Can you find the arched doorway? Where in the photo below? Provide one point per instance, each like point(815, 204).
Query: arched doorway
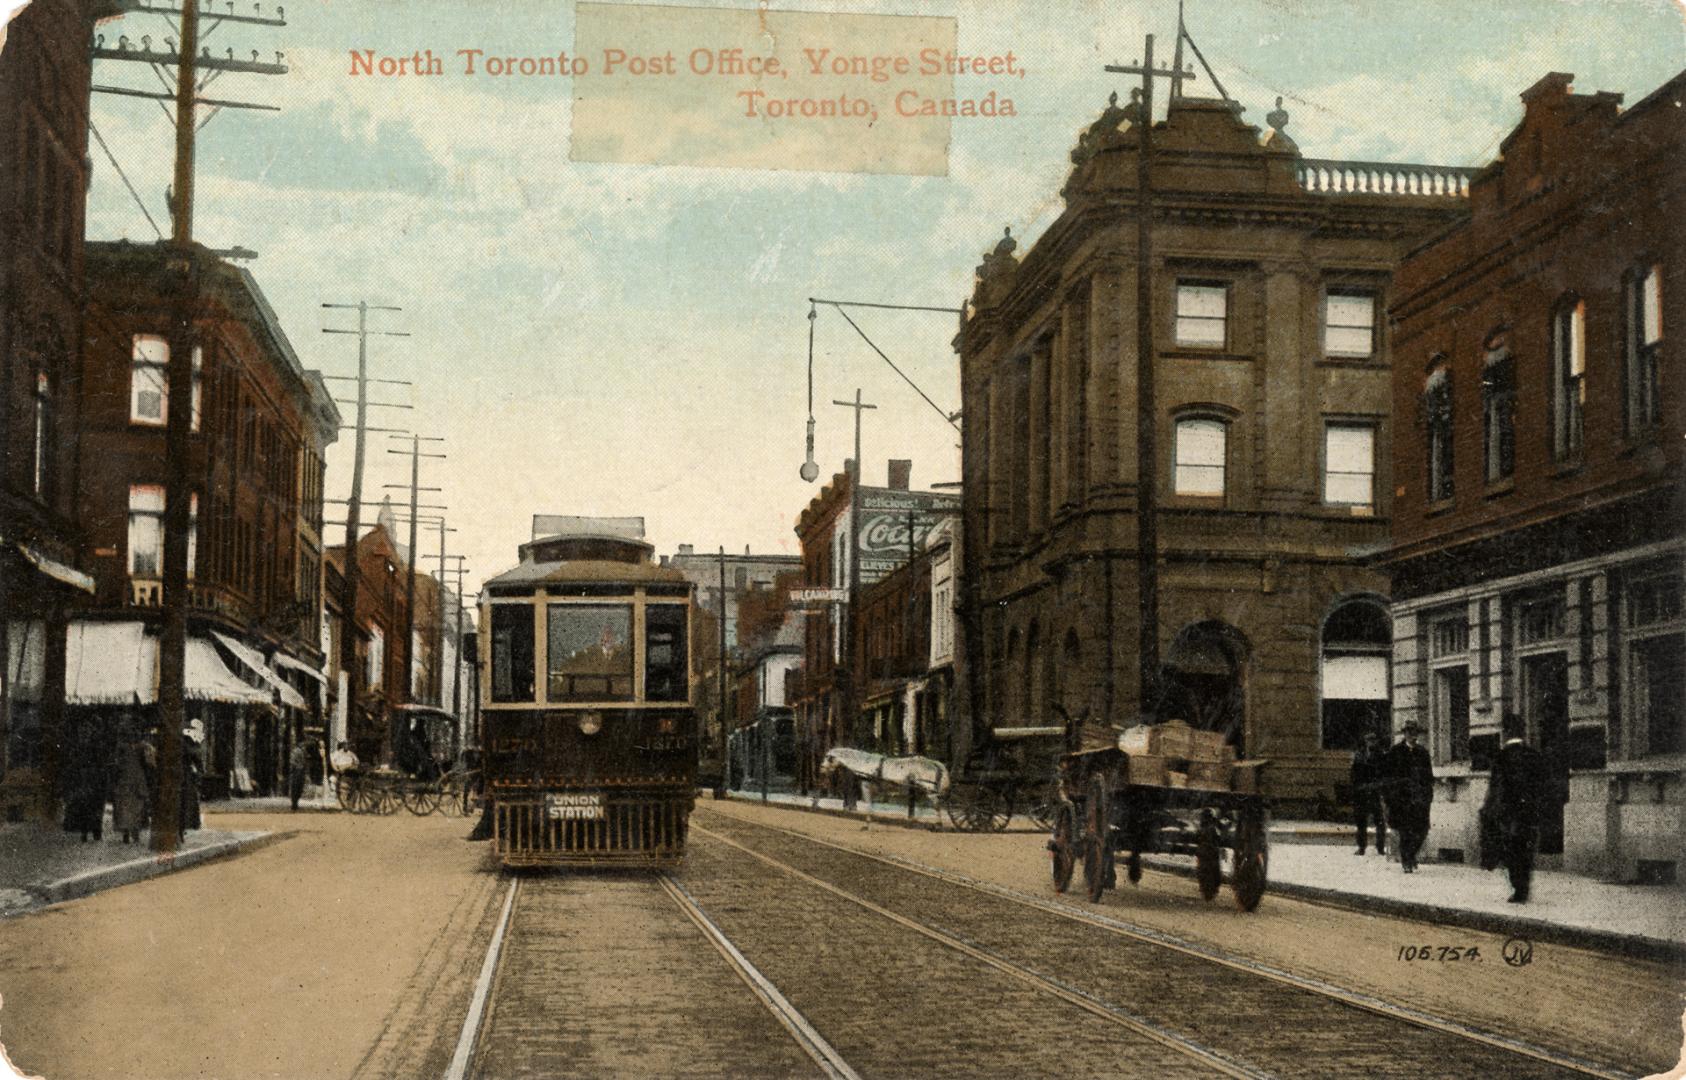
point(1035, 685)
point(1071, 667)
point(1205, 683)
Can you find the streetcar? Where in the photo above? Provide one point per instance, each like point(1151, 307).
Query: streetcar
point(588, 723)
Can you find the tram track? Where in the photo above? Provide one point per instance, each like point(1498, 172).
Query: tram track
point(1486, 1052)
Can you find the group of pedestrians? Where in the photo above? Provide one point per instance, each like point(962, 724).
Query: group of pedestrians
point(1394, 786)
point(127, 780)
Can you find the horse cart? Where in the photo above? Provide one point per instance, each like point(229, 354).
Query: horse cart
point(1165, 789)
point(1013, 770)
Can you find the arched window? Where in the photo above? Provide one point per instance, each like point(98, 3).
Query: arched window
point(1032, 675)
point(1357, 643)
point(1642, 318)
point(1199, 456)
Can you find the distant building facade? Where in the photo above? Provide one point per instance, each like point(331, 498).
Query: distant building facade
point(1540, 526)
point(895, 521)
point(742, 572)
point(1271, 277)
point(378, 624)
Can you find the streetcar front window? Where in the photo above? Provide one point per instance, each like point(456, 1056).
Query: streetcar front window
point(664, 653)
point(512, 652)
point(590, 652)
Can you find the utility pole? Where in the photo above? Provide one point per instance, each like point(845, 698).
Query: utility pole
point(348, 591)
point(852, 651)
point(410, 580)
point(438, 689)
point(725, 766)
point(182, 270)
point(1147, 443)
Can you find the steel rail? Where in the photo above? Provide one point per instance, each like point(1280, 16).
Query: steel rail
point(1189, 1048)
point(471, 1024)
point(811, 1041)
point(1354, 998)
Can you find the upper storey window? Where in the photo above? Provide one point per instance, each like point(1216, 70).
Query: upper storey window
point(149, 381)
point(1643, 304)
point(1200, 452)
point(1437, 423)
point(1202, 314)
point(1568, 382)
point(1349, 324)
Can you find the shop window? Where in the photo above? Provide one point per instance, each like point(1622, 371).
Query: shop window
point(1349, 323)
point(1643, 308)
point(1568, 371)
point(1200, 451)
point(1202, 314)
point(1655, 629)
point(1349, 465)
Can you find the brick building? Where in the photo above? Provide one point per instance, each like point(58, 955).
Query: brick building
point(379, 625)
point(1538, 530)
point(261, 423)
point(1270, 276)
point(895, 521)
point(44, 78)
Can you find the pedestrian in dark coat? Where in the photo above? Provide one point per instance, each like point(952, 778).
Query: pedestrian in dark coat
point(1368, 766)
point(132, 791)
point(87, 792)
point(1409, 793)
point(193, 739)
point(1511, 814)
point(298, 768)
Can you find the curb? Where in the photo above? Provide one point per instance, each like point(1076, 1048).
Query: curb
point(1633, 946)
point(89, 882)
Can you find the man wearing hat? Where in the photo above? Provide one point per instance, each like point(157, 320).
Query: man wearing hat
point(1410, 790)
point(1511, 815)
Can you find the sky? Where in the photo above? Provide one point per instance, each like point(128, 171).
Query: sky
point(632, 339)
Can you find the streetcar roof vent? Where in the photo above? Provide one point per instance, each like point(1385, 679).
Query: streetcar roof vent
point(624, 528)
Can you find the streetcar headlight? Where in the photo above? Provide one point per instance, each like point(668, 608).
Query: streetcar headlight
point(591, 723)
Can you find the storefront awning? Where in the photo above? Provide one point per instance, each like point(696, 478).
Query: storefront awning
point(116, 663)
point(300, 666)
point(59, 572)
point(253, 661)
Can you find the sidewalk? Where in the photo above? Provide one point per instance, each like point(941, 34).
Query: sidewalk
point(43, 864)
point(1315, 861)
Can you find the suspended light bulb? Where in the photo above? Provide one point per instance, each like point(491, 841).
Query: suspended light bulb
point(810, 470)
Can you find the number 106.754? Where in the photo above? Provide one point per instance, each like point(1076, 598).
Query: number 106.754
point(1445, 953)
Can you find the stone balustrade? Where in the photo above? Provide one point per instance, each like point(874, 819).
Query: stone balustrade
point(1328, 177)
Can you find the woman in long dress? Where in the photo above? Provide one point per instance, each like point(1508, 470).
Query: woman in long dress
point(130, 796)
point(84, 804)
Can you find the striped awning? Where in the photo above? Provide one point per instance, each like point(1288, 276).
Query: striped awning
point(116, 663)
point(253, 661)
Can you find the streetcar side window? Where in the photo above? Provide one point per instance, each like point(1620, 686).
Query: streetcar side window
point(664, 653)
point(590, 652)
point(512, 652)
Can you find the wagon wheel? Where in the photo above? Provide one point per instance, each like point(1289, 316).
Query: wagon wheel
point(1097, 849)
point(385, 800)
point(349, 790)
point(420, 799)
point(1252, 856)
point(1208, 872)
point(1043, 805)
point(451, 802)
point(1063, 846)
point(979, 809)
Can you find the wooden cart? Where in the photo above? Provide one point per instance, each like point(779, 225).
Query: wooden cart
point(1014, 770)
point(1104, 811)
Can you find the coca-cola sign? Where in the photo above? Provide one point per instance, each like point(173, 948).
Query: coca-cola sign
point(895, 524)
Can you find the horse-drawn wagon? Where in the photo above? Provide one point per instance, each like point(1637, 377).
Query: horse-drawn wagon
point(1164, 789)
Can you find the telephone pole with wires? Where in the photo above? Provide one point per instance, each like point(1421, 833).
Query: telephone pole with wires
point(416, 455)
point(349, 671)
point(182, 267)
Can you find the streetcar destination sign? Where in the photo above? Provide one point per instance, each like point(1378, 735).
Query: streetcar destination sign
point(575, 806)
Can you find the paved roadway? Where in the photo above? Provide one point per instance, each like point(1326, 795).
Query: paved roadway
point(787, 944)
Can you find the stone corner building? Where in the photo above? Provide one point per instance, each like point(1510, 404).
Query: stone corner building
point(1271, 275)
point(1540, 525)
